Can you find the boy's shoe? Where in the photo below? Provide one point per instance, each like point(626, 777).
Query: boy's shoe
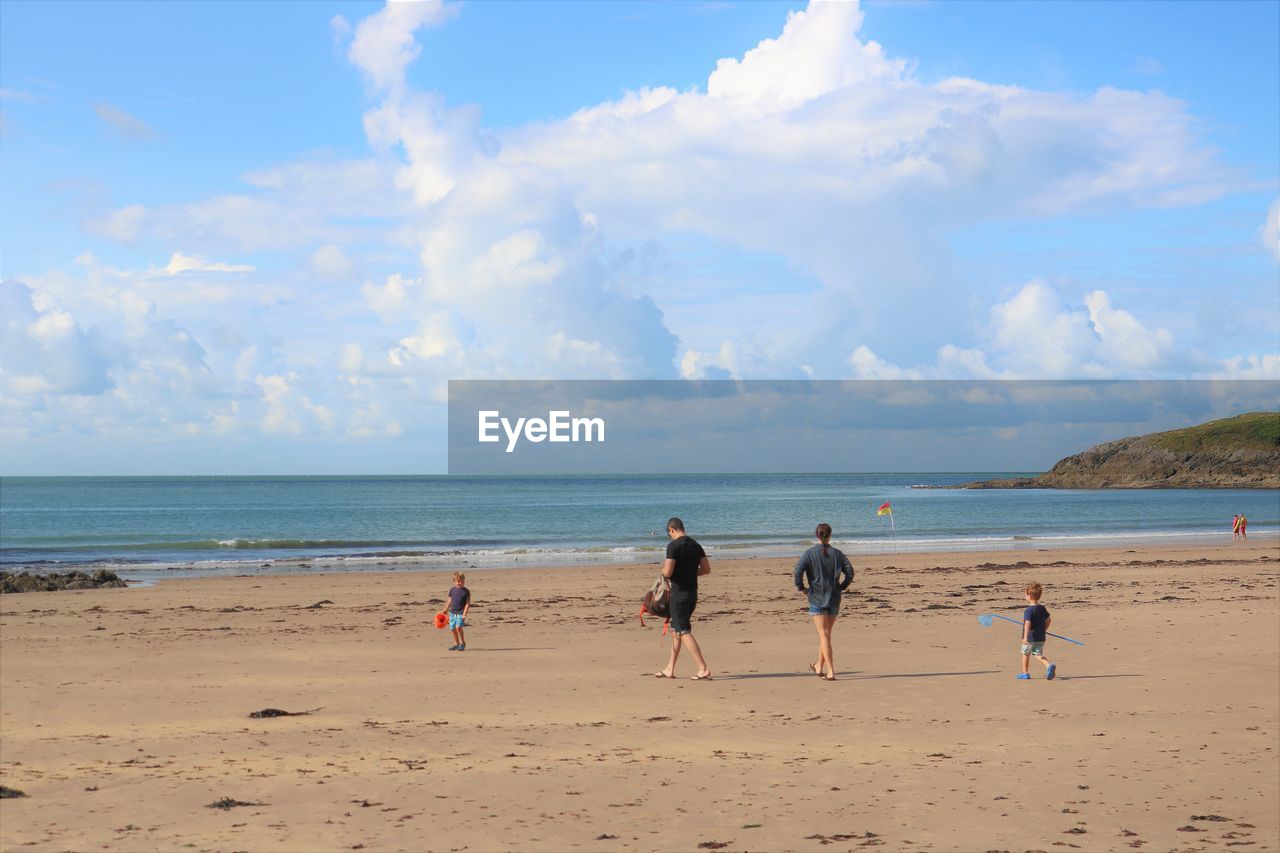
point(454, 647)
point(1024, 677)
point(1053, 670)
point(462, 648)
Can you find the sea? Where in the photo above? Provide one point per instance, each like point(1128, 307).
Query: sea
point(147, 528)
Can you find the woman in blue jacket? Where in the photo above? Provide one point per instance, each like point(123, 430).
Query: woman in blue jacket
point(829, 573)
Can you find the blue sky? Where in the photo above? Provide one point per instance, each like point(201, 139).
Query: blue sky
point(239, 237)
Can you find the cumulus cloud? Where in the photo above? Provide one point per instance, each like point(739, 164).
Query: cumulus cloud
point(287, 408)
point(856, 171)
point(512, 274)
point(113, 367)
point(1035, 329)
point(1124, 342)
point(818, 52)
point(452, 250)
point(722, 364)
point(1265, 366)
point(384, 45)
point(1036, 334)
point(815, 146)
point(43, 350)
point(865, 364)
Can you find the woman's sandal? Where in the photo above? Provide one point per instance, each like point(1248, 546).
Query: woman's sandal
point(662, 675)
point(706, 677)
point(813, 667)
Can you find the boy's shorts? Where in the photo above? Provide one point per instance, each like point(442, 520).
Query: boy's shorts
point(455, 621)
point(1035, 649)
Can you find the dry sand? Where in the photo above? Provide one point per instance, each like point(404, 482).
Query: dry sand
point(124, 713)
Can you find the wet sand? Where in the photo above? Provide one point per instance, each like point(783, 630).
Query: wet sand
point(124, 713)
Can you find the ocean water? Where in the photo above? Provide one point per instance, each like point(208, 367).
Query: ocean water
point(165, 526)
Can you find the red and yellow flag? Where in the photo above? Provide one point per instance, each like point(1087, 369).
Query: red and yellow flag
point(885, 509)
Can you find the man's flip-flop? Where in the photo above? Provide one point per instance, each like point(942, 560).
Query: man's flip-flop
point(706, 677)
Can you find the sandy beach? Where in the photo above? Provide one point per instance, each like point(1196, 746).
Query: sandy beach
point(124, 713)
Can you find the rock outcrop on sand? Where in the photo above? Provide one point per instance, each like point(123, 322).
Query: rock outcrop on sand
point(31, 582)
point(1234, 453)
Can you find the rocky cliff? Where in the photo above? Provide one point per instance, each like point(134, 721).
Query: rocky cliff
point(1234, 453)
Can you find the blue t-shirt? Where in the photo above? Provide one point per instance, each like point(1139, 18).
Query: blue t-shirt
point(1038, 616)
point(459, 596)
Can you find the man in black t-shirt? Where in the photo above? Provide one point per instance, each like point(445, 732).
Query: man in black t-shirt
point(685, 563)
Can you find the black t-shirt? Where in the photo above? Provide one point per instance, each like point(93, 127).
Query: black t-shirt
point(687, 553)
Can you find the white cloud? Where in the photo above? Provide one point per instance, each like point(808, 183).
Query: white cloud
point(280, 415)
point(390, 299)
point(330, 261)
point(180, 263)
point(854, 170)
point(818, 52)
point(815, 146)
point(339, 29)
point(43, 349)
point(384, 44)
point(1036, 335)
point(1036, 330)
point(865, 364)
point(122, 225)
point(722, 364)
point(294, 206)
point(123, 124)
point(1124, 342)
point(335, 187)
point(1270, 231)
point(451, 251)
point(512, 280)
point(245, 361)
point(1265, 366)
point(433, 338)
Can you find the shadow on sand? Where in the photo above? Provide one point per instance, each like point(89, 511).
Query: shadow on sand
point(851, 676)
point(471, 651)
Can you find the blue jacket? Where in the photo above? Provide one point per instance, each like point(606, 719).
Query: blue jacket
point(827, 576)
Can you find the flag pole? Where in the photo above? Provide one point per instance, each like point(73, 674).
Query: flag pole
point(887, 509)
